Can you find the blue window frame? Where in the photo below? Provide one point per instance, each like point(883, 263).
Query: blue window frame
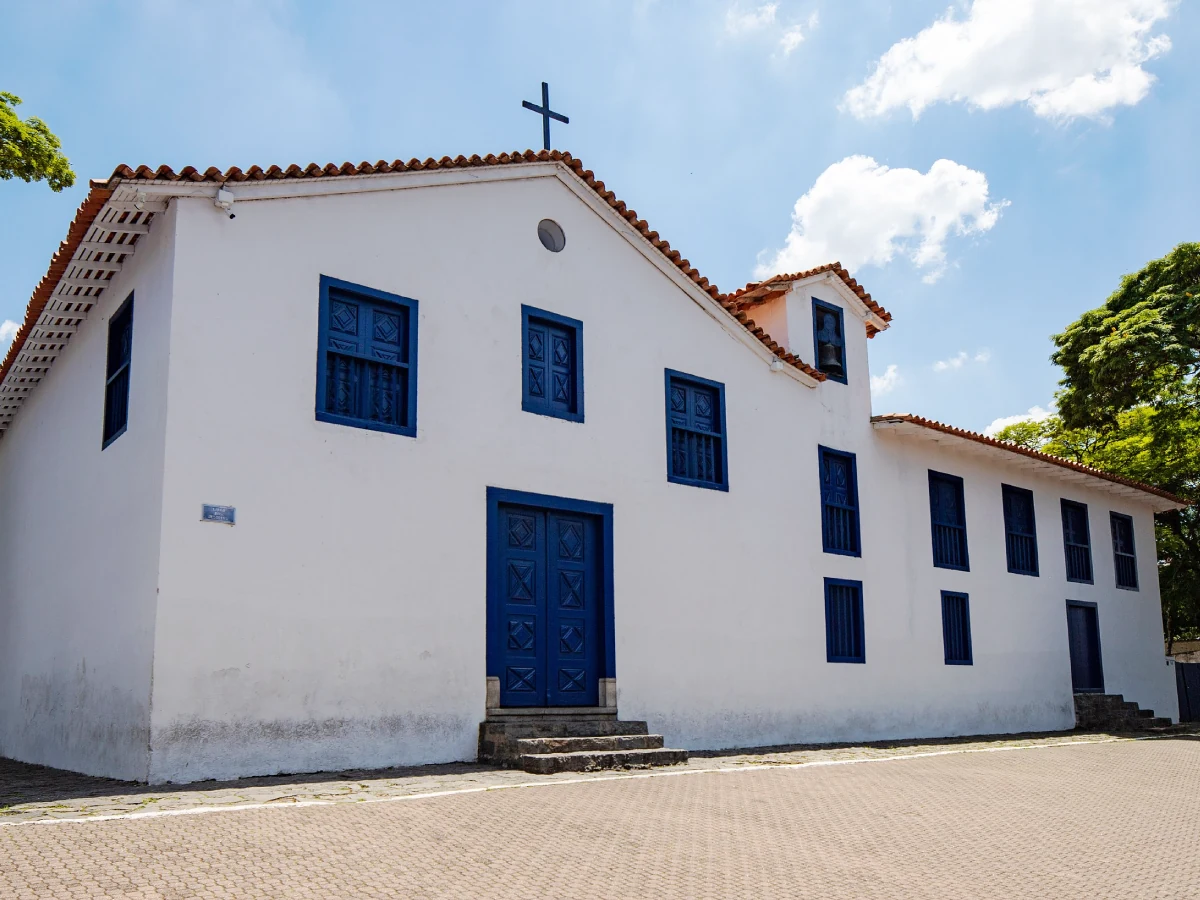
point(839, 502)
point(116, 373)
point(829, 340)
point(844, 621)
point(948, 521)
point(1077, 541)
point(1020, 530)
point(1124, 556)
point(956, 628)
point(367, 358)
point(697, 452)
point(551, 364)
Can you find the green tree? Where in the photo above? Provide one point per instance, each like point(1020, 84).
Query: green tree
point(1129, 404)
point(29, 150)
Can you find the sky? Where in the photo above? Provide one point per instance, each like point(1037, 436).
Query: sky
point(988, 169)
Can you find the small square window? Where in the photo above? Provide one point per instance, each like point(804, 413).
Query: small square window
point(956, 628)
point(367, 358)
point(844, 621)
point(551, 364)
point(839, 503)
point(696, 446)
point(116, 381)
point(829, 339)
point(1077, 541)
point(1124, 557)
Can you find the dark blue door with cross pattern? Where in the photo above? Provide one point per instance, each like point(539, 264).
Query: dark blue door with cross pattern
point(550, 615)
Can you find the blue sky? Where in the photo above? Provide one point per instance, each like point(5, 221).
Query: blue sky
point(1068, 131)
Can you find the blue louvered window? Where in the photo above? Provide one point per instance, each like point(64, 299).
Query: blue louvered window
point(844, 621)
point(839, 502)
point(116, 380)
point(1020, 530)
point(551, 364)
point(948, 518)
point(1124, 557)
point(367, 361)
point(696, 443)
point(956, 628)
point(1077, 541)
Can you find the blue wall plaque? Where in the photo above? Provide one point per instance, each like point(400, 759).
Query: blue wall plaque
point(222, 515)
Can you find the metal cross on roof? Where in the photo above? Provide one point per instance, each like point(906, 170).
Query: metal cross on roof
point(545, 112)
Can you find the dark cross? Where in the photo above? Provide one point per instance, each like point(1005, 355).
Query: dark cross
point(545, 112)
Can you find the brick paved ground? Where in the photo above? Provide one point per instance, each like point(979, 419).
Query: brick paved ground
point(1085, 819)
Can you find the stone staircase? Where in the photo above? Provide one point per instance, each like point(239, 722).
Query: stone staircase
point(546, 742)
point(1112, 712)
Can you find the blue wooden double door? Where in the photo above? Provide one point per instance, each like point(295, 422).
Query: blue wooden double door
point(1083, 636)
point(545, 606)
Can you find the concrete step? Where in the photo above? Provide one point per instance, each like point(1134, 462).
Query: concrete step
point(591, 744)
point(591, 760)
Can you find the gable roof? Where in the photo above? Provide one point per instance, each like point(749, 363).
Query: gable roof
point(760, 291)
point(910, 424)
point(108, 225)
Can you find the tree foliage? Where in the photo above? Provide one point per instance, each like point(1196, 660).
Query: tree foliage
point(1130, 404)
point(29, 150)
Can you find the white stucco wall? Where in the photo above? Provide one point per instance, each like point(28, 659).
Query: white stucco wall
point(79, 542)
point(341, 622)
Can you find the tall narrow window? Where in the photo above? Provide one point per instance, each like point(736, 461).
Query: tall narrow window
point(1020, 531)
point(1077, 541)
point(839, 502)
point(552, 365)
point(116, 382)
point(829, 337)
point(948, 517)
point(1123, 554)
point(956, 628)
point(367, 358)
point(696, 450)
point(844, 621)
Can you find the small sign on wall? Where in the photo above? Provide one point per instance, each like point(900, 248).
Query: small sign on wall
point(222, 515)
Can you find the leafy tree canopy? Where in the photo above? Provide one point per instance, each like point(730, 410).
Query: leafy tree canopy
point(29, 150)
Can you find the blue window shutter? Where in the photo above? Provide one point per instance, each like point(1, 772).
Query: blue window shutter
point(552, 364)
point(839, 502)
point(1124, 556)
point(956, 628)
point(1077, 544)
point(367, 365)
point(1020, 530)
point(844, 640)
point(696, 448)
point(948, 520)
point(116, 382)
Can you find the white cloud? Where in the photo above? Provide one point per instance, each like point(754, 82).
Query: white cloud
point(739, 21)
point(960, 359)
point(1035, 414)
point(885, 383)
point(8, 331)
point(792, 38)
point(863, 213)
point(1064, 58)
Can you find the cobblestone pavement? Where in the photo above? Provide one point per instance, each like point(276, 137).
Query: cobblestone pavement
point(1067, 816)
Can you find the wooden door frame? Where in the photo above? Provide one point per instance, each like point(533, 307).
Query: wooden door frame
point(1087, 604)
point(497, 497)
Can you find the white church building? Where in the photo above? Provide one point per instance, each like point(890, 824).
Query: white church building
point(320, 468)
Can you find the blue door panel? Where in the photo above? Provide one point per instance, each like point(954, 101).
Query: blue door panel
point(551, 607)
point(1083, 634)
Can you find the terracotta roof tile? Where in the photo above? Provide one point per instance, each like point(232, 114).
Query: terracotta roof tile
point(1025, 451)
point(752, 294)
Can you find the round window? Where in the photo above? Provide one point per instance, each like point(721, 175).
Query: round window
point(551, 235)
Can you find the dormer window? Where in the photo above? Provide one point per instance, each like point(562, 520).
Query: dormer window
point(830, 339)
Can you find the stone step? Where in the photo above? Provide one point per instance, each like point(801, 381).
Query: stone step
point(591, 760)
point(591, 744)
point(500, 734)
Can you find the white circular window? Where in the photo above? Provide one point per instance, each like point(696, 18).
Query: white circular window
point(551, 235)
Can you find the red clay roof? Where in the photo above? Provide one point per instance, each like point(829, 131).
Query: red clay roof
point(753, 294)
point(274, 173)
point(1025, 451)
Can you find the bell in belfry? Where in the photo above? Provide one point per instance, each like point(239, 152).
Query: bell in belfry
point(830, 361)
